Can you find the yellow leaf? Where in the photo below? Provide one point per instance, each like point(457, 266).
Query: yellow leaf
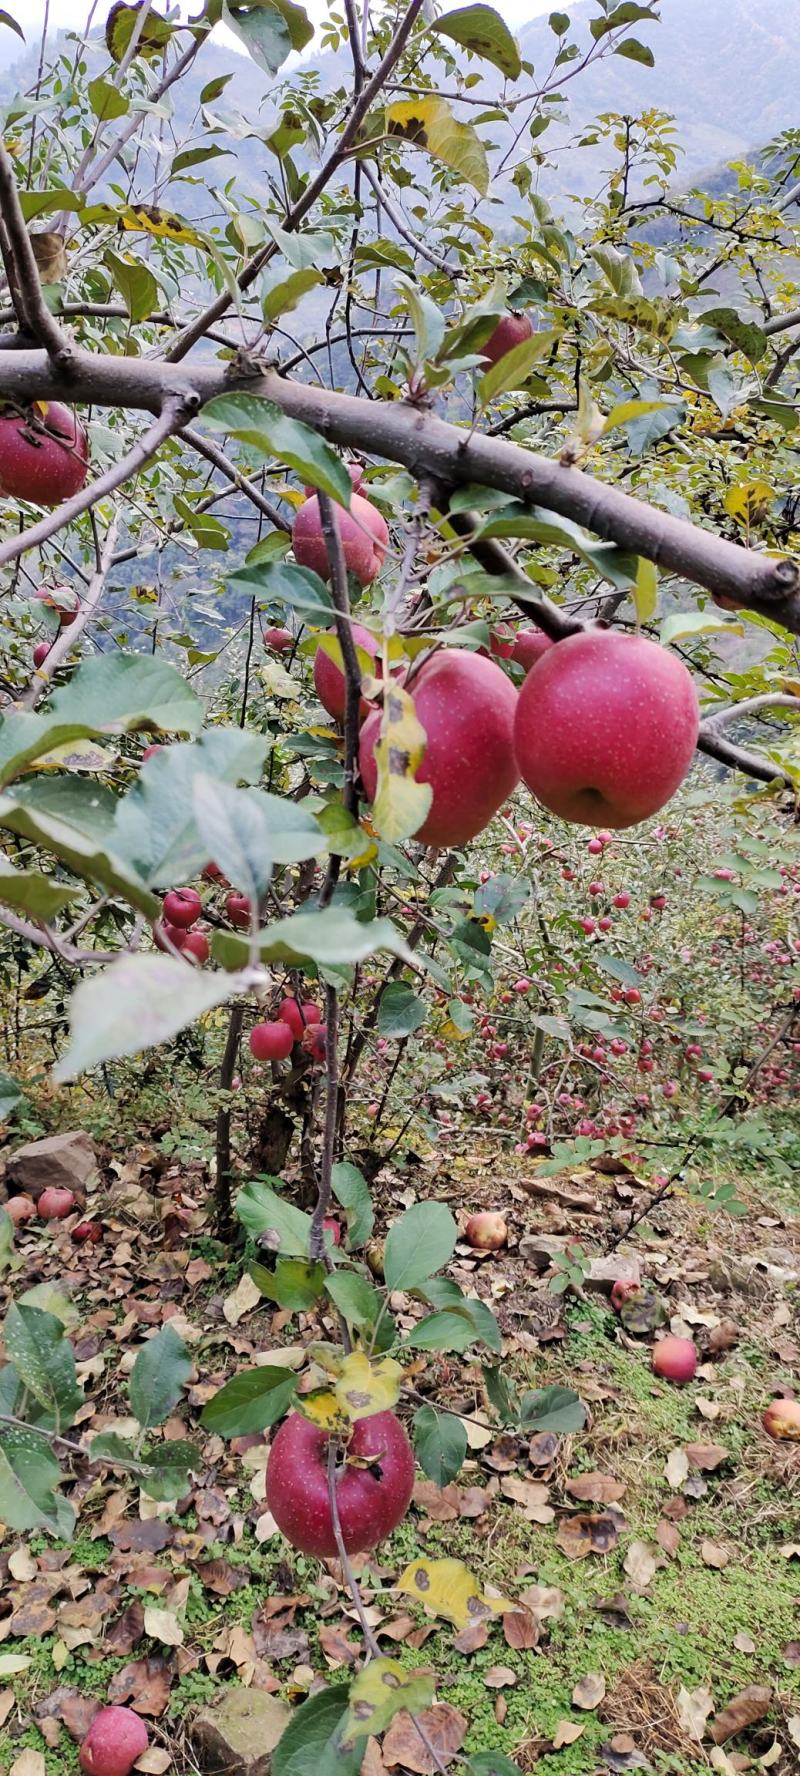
point(361, 1387)
point(645, 591)
point(429, 123)
point(401, 804)
point(325, 1411)
point(451, 1033)
point(146, 219)
point(748, 502)
point(448, 1589)
point(378, 1693)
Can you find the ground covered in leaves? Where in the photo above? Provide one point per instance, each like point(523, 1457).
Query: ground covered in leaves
point(653, 1559)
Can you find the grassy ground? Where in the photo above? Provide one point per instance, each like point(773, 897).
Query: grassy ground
point(694, 1625)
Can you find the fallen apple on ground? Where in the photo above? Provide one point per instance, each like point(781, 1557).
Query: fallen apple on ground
point(486, 1231)
point(55, 1203)
point(675, 1358)
point(782, 1420)
point(116, 1738)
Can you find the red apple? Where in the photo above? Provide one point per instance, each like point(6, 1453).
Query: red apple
point(150, 752)
point(329, 680)
point(315, 1040)
point(501, 642)
point(281, 641)
point(512, 330)
point(20, 1209)
point(486, 1231)
point(298, 1016)
point(364, 534)
point(529, 646)
point(116, 1738)
point(372, 1498)
point(334, 1228)
point(622, 900)
point(182, 907)
point(466, 706)
point(237, 907)
point(88, 1233)
point(271, 1042)
point(606, 728)
point(166, 935)
point(622, 1291)
point(196, 946)
point(675, 1358)
point(44, 454)
point(782, 1420)
point(40, 653)
point(55, 1203)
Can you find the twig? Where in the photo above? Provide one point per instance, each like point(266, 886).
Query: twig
point(352, 676)
point(71, 633)
point(213, 454)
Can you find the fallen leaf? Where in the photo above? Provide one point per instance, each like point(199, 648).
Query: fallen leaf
point(693, 1708)
point(720, 1761)
point(743, 1643)
point(448, 1588)
point(706, 1456)
point(588, 1533)
point(472, 1638)
point(641, 1562)
point(473, 1501)
point(162, 1625)
point(498, 1677)
point(531, 1496)
point(546, 1601)
point(440, 1503)
point(615, 1610)
point(29, 1763)
point(595, 1489)
point(22, 1566)
point(676, 1468)
point(589, 1691)
point(712, 1554)
point(791, 1653)
point(668, 1537)
point(245, 1297)
point(566, 1733)
point(7, 1700)
point(742, 1711)
point(793, 1728)
point(155, 1761)
point(147, 1681)
point(707, 1408)
point(542, 1449)
point(521, 1629)
point(442, 1724)
point(770, 1757)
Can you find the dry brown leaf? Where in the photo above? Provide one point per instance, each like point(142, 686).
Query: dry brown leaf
point(595, 1489)
point(531, 1495)
point(442, 1724)
point(707, 1408)
point(566, 1733)
point(743, 1643)
point(546, 1601)
point(588, 1533)
point(712, 1554)
point(706, 1456)
point(472, 1638)
point(742, 1711)
point(29, 1763)
point(499, 1677)
point(668, 1537)
point(473, 1501)
point(589, 1691)
point(676, 1468)
point(162, 1625)
point(793, 1728)
point(770, 1757)
point(641, 1562)
point(521, 1629)
point(720, 1761)
point(155, 1761)
point(7, 1700)
point(22, 1566)
point(440, 1503)
point(693, 1708)
point(245, 1297)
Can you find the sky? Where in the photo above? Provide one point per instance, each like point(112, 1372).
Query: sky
point(73, 13)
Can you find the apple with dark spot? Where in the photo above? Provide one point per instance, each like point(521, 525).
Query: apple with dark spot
point(373, 1486)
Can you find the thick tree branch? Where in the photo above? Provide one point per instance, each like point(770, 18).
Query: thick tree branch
point(753, 706)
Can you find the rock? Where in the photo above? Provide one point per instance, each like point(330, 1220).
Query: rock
point(237, 1736)
point(539, 1249)
point(66, 1161)
point(605, 1272)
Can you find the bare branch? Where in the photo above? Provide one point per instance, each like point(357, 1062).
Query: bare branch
point(68, 636)
point(213, 454)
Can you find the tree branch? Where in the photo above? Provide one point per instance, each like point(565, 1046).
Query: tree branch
point(35, 317)
point(213, 454)
point(68, 635)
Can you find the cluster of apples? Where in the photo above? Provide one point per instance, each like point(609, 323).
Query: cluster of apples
point(176, 929)
point(55, 1203)
point(295, 1021)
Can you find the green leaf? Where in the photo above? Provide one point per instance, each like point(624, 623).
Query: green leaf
point(33, 893)
point(256, 421)
point(636, 52)
point(67, 816)
point(261, 1211)
point(112, 694)
point(559, 23)
point(10, 1095)
point(283, 293)
point(106, 100)
point(513, 369)
point(159, 1374)
point(295, 1283)
point(491, 1763)
point(311, 1744)
point(249, 1403)
point(135, 1004)
point(29, 1474)
point(234, 826)
point(163, 1471)
point(418, 1244)
point(192, 157)
point(542, 526)
point(269, 29)
point(552, 1409)
point(44, 1361)
point(452, 1329)
point(122, 21)
point(283, 582)
point(12, 25)
point(482, 30)
point(625, 411)
point(440, 1443)
point(136, 285)
point(333, 937)
point(498, 1390)
point(745, 335)
point(400, 1012)
point(351, 1189)
point(358, 1303)
point(42, 203)
point(685, 625)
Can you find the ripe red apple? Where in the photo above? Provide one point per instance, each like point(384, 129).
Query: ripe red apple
point(329, 680)
point(466, 706)
point(675, 1358)
point(486, 1231)
point(501, 642)
point(606, 728)
point(87, 1232)
point(150, 752)
point(529, 646)
point(315, 1040)
point(44, 454)
point(512, 330)
point(20, 1209)
point(55, 1203)
point(334, 1228)
point(182, 907)
point(621, 1292)
point(196, 946)
point(372, 1499)
point(364, 534)
point(622, 900)
point(782, 1420)
point(298, 1016)
point(280, 640)
point(166, 935)
point(237, 907)
point(271, 1042)
point(116, 1738)
point(40, 653)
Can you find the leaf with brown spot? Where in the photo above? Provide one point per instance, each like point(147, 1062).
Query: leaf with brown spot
point(615, 1610)
point(706, 1456)
point(713, 1555)
point(147, 1682)
point(442, 1724)
point(566, 1733)
point(742, 1711)
point(521, 1629)
point(588, 1532)
point(589, 1691)
point(542, 1449)
point(595, 1489)
point(547, 1602)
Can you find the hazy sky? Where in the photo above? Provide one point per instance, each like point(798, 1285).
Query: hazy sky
point(75, 12)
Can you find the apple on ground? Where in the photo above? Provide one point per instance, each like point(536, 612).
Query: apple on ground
point(622, 1291)
point(87, 1233)
point(782, 1420)
point(606, 728)
point(20, 1209)
point(466, 705)
point(116, 1738)
point(486, 1231)
point(675, 1358)
point(55, 1203)
point(372, 1498)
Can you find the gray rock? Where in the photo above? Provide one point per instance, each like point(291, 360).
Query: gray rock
point(66, 1161)
point(539, 1249)
point(237, 1736)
